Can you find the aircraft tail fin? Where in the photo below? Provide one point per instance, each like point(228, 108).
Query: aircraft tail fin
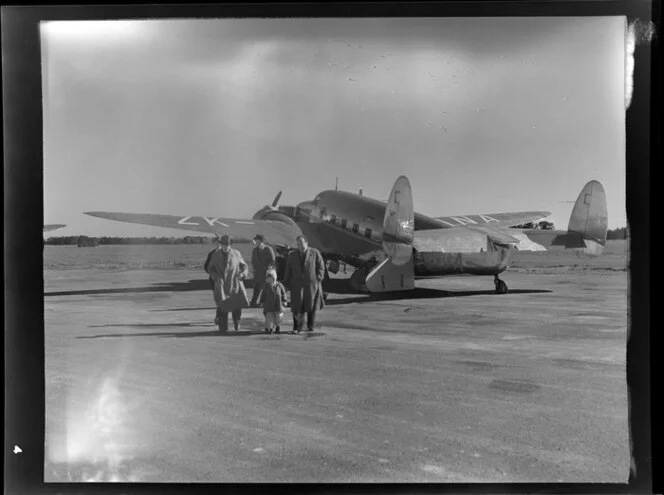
point(396, 272)
point(399, 222)
point(588, 222)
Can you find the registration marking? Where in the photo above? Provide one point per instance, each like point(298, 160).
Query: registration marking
point(183, 221)
point(212, 221)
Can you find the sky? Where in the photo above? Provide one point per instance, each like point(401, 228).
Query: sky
point(215, 116)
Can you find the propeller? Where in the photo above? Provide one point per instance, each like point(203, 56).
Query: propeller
point(276, 199)
point(267, 209)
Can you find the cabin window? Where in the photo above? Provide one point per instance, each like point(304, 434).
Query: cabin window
point(323, 211)
point(367, 233)
point(343, 223)
point(356, 228)
point(333, 219)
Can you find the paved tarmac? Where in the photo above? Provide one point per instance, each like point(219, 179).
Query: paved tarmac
point(449, 383)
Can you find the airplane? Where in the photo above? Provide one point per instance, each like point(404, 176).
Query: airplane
point(390, 244)
point(53, 226)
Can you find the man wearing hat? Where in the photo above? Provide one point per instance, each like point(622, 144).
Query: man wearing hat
point(262, 258)
point(227, 269)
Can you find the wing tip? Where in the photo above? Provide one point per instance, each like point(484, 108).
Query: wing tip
point(108, 215)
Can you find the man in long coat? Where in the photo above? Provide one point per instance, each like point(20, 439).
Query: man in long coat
point(305, 270)
point(228, 269)
point(262, 258)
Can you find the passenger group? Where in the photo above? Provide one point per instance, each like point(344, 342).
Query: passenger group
point(304, 273)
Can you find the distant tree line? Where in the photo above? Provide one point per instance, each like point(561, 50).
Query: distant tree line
point(81, 240)
point(620, 233)
point(104, 240)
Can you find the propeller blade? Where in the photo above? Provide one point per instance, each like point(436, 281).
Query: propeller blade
point(276, 199)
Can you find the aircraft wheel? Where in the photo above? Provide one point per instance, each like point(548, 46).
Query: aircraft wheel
point(501, 287)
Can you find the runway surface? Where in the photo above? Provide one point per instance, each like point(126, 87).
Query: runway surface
point(449, 383)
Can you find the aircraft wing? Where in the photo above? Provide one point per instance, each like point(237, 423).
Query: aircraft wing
point(53, 226)
point(275, 232)
point(472, 239)
point(495, 219)
point(586, 231)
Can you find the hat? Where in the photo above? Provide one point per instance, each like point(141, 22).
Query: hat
point(259, 237)
point(224, 239)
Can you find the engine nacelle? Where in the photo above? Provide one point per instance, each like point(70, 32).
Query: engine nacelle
point(270, 213)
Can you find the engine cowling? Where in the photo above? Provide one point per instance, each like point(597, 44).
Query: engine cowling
point(270, 213)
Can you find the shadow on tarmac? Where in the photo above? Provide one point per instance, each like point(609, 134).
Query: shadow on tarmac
point(191, 285)
point(250, 328)
point(256, 329)
point(362, 297)
point(335, 286)
point(186, 335)
point(423, 293)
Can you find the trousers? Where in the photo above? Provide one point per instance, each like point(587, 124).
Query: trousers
point(298, 320)
point(223, 319)
point(273, 320)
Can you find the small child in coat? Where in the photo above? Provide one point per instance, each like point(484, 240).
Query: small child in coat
point(273, 301)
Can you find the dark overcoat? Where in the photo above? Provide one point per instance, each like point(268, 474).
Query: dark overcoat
point(306, 285)
point(262, 257)
point(228, 270)
point(273, 298)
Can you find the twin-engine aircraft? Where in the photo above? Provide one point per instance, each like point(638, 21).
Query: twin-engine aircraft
point(390, 244)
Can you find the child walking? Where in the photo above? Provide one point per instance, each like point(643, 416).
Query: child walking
point(273, 302)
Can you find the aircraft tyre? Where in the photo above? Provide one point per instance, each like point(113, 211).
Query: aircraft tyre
point(501, 287)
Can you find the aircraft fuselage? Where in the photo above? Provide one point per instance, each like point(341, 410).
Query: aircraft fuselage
point(349, 227)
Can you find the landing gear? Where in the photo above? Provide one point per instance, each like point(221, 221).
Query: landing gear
point(359, 277)
point(501, 287)
point(333, 267)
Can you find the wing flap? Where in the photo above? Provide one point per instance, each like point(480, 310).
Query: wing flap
point(242, 230)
